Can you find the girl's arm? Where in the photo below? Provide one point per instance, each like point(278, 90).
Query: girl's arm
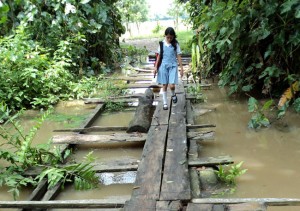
point(180, 64)
point(155, 68)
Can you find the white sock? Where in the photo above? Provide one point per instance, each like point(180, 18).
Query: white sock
point(173, 92)
point(165, 97)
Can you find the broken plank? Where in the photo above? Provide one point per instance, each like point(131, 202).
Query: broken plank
point(93, 203)
point(200, 126)
point(203, 135)
point(211, 161)
point(93, 129)
point(267, 201)
point(99, 139)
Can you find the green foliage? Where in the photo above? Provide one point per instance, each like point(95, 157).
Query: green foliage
point(86, 28)
point(258, 118)
point(297, 105)
point(133, 54)
point(112, 106)
point(229, 175)
point(196, 91)
point(254, 44)
point(22, 155)
point(157, 29)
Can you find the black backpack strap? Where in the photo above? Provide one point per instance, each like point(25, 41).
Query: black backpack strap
point(161, 44)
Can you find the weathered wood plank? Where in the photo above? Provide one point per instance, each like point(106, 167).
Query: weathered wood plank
point(126, 164)
point(99, 100)
point(175, 183)
point(93, 129)
point(267, 201)
point(130, 78)
point(99, 139)
point(200, 126)
point(160, 116)
point(148, 179)
point(195, 183)
point(193, 146)
point(199, 207)
point(169, 205)
point(211, 161)
point(203, 135)
point(96, 203)
point(136, 204)
point(246, 207)
point(142, 86)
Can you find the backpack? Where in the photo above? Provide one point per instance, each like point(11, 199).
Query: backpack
point(161, 55)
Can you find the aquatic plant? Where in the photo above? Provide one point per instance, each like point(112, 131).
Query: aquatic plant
point(229, 175)
point(21, 156)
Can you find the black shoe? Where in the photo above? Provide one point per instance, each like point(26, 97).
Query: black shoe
point(165, 107)
point(174, 99)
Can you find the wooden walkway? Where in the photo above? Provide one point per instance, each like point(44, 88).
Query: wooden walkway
point(166, 175)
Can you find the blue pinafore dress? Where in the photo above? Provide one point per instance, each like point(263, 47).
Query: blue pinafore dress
point(168, 70)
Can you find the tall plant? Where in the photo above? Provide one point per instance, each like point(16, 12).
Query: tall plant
point(20, 154)
point(255, 43)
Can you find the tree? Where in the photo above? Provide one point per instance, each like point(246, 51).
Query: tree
point(177, 10)
point(133, 11)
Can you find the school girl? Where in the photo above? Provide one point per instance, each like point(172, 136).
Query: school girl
point(167, 74)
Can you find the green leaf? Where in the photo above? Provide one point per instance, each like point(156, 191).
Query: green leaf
point(287, 5)
point(252, 104)
point(296, 105)
point(267, 105)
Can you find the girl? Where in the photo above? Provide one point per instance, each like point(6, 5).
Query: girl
point(167, 72)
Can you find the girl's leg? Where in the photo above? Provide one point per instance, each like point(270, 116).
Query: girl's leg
point(164, 93)
point(174, 97)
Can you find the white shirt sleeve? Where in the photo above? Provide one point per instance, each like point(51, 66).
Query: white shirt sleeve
point(178, 49)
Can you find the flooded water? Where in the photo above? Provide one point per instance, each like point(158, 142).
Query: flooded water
point(271, 155)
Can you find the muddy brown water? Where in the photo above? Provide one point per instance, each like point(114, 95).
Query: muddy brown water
point(271, 155)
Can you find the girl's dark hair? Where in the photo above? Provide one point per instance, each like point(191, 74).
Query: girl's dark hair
point(171, 31)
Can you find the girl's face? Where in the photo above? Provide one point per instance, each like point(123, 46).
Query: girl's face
point(169, 38)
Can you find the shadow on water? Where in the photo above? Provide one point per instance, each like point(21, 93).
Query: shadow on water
point(271, 155)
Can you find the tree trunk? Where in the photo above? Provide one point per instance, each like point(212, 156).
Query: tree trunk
point(141, 121)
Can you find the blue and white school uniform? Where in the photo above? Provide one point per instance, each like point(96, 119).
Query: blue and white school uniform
point(168, 70)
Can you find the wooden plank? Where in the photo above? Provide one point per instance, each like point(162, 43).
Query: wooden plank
point(136, 204)
point(93, 129)
point(169, 205)
point(175, 183)
point(148, 179)
point(142, 86)
point(246, 207)
point(211, 161)
point(130, 78)
point(195, 183)
point(267, 201)
point(199, 207)
point(203, 135)
point(96, 203)
point(99, 100)
point(160, 116)
point(200, 126)
point(99, 139)
point(126, 164)
point(193, 146)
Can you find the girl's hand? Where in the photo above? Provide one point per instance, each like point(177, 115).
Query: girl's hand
point(181, 73)
point(154, 71)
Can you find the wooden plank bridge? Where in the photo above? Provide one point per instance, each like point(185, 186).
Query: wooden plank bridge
point(166, 175)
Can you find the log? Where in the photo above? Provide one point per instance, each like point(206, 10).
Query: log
point(141, 120)
point(205, 135)
point(98, 139)
point(200, 126)
point(92, 129)
point(267, 201)
point(93, 203)
point(211, 161)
